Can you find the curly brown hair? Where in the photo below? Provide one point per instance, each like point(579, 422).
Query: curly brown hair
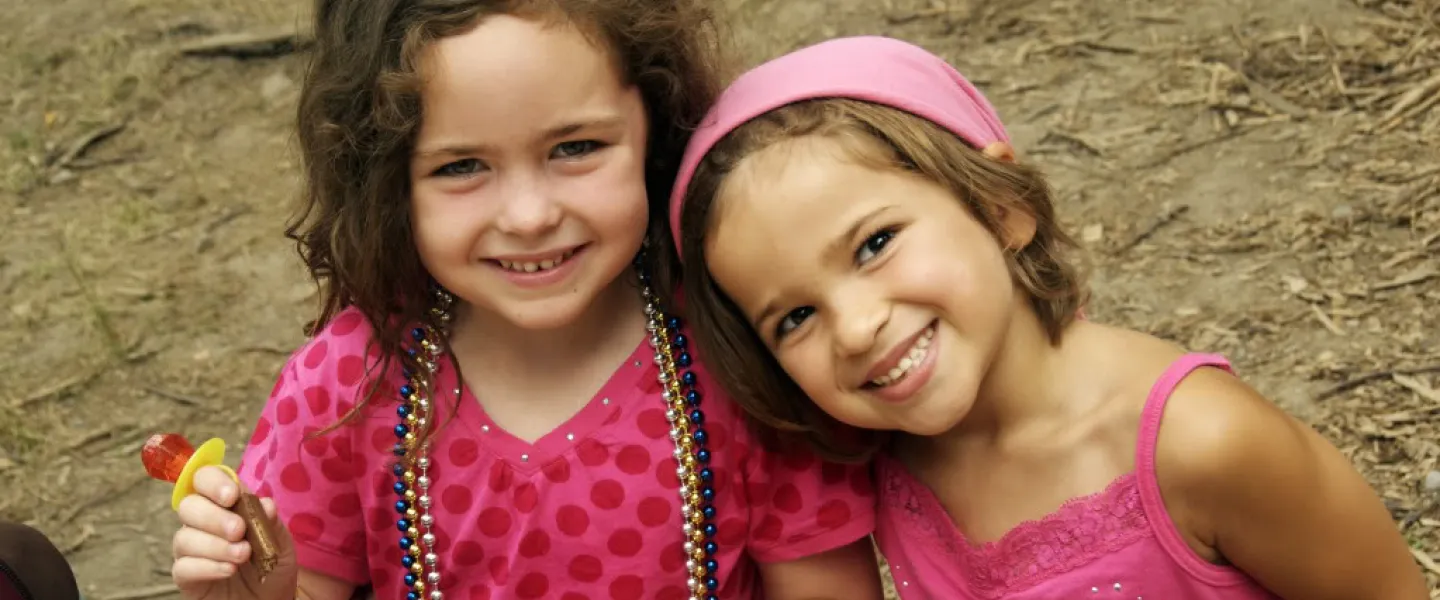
point(360, 110)
point(879, 137)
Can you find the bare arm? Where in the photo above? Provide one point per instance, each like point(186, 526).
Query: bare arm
point(846, 573)
point(1258, 489)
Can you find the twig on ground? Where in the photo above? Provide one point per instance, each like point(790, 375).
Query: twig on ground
point(1425, 561)
point(84, 143)
point(178, 398)
point(1417, 276)
point(1165, 218)
point(95, 436)
point(58, 389)
point(1419, 99)
point(249, 44)
point(1326, 321)
point(264, 350)
point(1414, 516)
point(1351, 384)
point(1270, 97)
point(99, 499)
point(86, 532)
point(1417, 386)
point(1184, 149)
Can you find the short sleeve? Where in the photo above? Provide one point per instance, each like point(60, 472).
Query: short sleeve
point(801, 506)
point(313, 478)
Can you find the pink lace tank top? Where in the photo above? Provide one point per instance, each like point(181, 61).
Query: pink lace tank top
point(1118, 544)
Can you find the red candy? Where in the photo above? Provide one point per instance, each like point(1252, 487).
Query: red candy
point(165, 455)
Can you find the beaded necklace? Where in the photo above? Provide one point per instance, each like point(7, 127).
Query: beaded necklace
point(682, 402)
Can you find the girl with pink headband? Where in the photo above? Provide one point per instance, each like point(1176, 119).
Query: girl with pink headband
point(871, 273)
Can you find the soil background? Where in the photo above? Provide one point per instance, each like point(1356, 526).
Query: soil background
point(1251, 177)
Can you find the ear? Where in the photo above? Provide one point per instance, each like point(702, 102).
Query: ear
point(1018, 227)
point(1001, 151)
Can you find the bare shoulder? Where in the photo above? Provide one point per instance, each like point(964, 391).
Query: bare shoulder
point(1215, 423)
point(1240, 478)
point(1215, 430)
point(1213, 417)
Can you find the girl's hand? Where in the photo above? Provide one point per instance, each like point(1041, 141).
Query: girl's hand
point(211, 554)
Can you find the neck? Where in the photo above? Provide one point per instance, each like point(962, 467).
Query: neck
point(1030, 383)
point(615, 320)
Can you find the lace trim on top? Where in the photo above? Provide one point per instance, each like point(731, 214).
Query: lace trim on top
point(1080, 531)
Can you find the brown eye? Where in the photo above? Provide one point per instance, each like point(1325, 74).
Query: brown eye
point(873, 246)
point(575, 149)
point(461, 168)
point(793, 319)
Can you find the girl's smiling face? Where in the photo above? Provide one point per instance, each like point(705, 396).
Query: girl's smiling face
point(877, 291)
point(528, 177)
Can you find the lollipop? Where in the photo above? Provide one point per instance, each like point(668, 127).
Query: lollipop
point(169, 457)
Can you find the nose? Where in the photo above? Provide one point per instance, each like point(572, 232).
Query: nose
point(857, 316)
point(527, 207)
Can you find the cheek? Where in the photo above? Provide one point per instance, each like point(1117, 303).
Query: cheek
point(444, 226)
point(957, 271)
point(426, 219)
point(612, 197)
point(930, 278)
point(811, 369)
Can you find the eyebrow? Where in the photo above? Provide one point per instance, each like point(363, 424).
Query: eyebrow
point(839, 245)
point(551, 134)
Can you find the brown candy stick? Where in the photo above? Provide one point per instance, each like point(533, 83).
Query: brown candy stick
point(264, 554)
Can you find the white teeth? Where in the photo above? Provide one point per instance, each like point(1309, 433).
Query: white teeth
point(913, 358)
point(531, 267)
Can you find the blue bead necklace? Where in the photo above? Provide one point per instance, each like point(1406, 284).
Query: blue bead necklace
point(682, 402)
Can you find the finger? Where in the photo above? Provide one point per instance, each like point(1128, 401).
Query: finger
point(194, 543)
point(190, 570)
point(216, 485)
point(198, 512)
point(270, 510)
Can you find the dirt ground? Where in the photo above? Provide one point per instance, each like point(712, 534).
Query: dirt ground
point(1250, 175)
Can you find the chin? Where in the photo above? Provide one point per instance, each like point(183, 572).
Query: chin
point(927, 429)
point(936, 419)
point(547, 314)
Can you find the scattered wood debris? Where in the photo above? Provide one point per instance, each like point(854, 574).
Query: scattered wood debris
point(248, 45)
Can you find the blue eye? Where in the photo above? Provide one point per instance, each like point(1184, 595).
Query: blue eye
point(575, 149)
point(461, 168)
point(873, 245)
point(792, 320)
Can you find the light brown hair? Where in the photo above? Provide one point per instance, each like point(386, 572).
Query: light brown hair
point(879, 137)
point(360, 111)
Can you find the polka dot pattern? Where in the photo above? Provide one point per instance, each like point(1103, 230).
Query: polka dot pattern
point(591, 516)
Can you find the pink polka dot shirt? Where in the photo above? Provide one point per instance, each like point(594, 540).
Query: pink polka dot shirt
point(589, 511)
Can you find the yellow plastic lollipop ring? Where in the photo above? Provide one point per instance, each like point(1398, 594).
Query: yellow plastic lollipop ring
point(209, 454)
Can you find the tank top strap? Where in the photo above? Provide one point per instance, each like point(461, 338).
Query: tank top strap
point(1155, 402)
point(1161, 524)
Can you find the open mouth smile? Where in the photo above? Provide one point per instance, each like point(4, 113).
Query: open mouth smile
point(913, 357)
point(536, 266)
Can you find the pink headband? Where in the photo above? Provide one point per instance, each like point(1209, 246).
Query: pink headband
point(875, 69)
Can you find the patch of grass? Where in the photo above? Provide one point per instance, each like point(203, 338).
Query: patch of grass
point(20, 178)
point(20, 141)
point(18, 435)
point(113, 341)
